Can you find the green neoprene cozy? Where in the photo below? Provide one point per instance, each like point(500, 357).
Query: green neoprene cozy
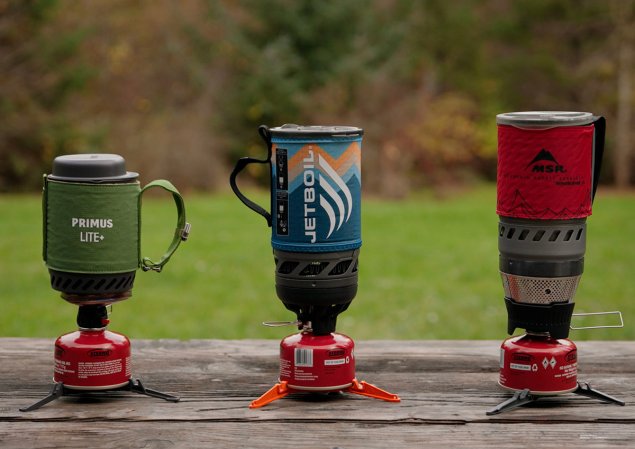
point(95, 228)
point(91, 228)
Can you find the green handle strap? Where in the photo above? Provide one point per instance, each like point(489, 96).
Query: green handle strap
point(182, 227)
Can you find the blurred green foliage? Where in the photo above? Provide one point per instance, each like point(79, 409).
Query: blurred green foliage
point(180, 87)
point(40, 71)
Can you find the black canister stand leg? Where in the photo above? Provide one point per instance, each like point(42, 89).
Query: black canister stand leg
point(519, 398)
point(584, 389)
point(138, 387)
point(56, 392)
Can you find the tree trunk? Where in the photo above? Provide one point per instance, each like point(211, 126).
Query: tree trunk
point(624, 147)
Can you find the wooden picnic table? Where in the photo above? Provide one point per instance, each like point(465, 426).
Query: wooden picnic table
point(445, 388)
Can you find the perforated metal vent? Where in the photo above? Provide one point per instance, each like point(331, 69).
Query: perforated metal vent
point(558, 240)
point(341, 267)
point(316, 268)
point(520, 233)
point(316, 265)
point(87, 284)
point(313, 268)
point(537, 290)
point(287, 267)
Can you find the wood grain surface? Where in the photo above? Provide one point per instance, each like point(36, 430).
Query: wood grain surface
point(445, 388)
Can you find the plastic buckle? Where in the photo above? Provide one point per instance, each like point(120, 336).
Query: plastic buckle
point(148, 265)
point(185, 232)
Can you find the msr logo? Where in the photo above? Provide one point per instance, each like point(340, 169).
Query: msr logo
point(336, 193)
point(545, 162)
point(519, 357)
point(99, 352)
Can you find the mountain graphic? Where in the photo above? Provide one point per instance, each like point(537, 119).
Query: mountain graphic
point(543, 155)
point(519, 207)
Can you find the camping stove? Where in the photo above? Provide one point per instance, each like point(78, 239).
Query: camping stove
point(548, 169)
point(92, 248)
point(316, 237)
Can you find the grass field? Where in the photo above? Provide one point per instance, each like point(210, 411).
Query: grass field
point(428, 269)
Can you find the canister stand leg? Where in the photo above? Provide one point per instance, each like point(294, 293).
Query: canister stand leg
point(133, 385)
point(525, 396)
point(282, 389)
point(370, 390)
point(136, 386)
point(519, 398)
point(584, 389)
point(56, 392)
point(278, 391)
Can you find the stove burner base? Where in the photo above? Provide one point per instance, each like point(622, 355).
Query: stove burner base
point(134, 385)
point(525, 396)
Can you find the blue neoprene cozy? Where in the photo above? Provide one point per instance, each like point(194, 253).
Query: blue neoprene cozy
point(316, 189)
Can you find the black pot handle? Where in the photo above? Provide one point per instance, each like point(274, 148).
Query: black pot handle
point(598, 147)
point(242, 163)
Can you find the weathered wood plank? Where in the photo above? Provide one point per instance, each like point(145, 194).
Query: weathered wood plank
point(290, 435)
point(449, 382)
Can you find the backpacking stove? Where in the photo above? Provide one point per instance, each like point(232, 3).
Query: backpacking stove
point(316, 236)
point(91, 208)
point(548, 169)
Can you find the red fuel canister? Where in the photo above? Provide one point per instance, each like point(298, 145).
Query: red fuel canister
point(317, 362)
point(92, 360)
point(544, 365)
